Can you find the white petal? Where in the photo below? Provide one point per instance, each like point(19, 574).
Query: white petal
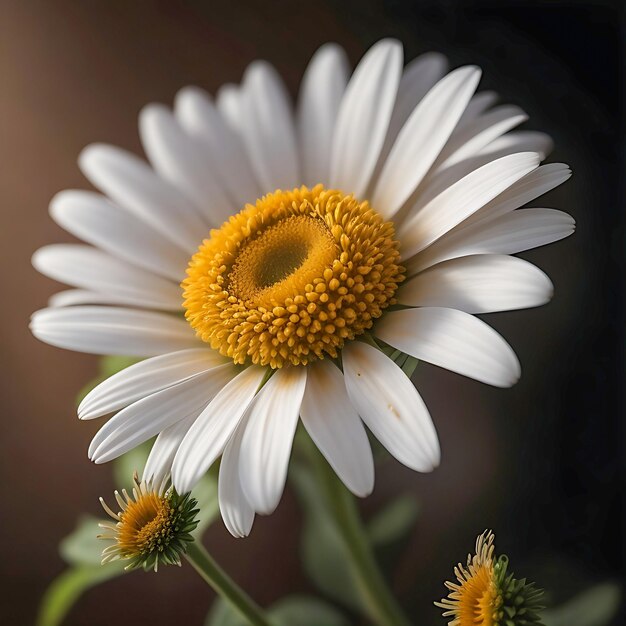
point(147, 377)
point(159, 461)
point(390, 406)
point(89, 268)
point(527, 188)
point(149, 416)
point(96, 220)
point(183, 161)
point(112, 330)
point(505, 234)
point(474, 136)
point(438, 180)
point(230, 106)
point(73, 297)
point(419, 76)
point(237, 513)
point(132, 184)
point(207, 437)
point(364, 117)
point(198, 116)
point(422, 138)
point(439, 177)
point(479, 284)
point(479, 103)
point(463, 199)
point(453, 340)
point(520, 141)
point(335, 427)
point(268, 128)
point(322, 89)
point(266, 443)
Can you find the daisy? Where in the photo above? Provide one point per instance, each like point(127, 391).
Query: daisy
point(275, 265)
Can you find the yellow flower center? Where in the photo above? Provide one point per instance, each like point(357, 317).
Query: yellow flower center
point(145, 525)
point(479, 599)
point(293, 277)
point(476, 598)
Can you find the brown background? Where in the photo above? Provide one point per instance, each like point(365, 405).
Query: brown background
point(538, 462)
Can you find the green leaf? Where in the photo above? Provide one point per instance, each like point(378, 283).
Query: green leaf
point(305, 611)
point(323, 553)
point(82, 546)
point(593, 607)
point(395, 520)
point(221, 614)
point(82, 550)
point(67, 588)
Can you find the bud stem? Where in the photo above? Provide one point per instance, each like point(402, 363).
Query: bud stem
point(225, 586)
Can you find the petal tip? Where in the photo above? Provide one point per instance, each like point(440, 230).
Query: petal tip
point(436, 462)
point(35, 260)
point(363, 491)
point(91, 151)
point(86, 411)
point(189, 93)
point(238, 528)
point(256, 70)
point(182, 481)
point(236, 531)
point(94, 155)
point(390, 43)
point(58, 204)
point(330, 48)
point(152, 113)
point(264, 508)
point(472, 72)
point(514, 379)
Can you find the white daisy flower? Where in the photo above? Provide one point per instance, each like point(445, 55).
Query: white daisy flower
point(373, 223)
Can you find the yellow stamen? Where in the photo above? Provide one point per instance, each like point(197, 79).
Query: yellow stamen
point(144, 523)
point(290, 279)
point(476, 599)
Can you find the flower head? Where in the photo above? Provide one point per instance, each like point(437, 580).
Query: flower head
point(486, 595)
point(292, 278)
point(275, 263)
point(153, 526)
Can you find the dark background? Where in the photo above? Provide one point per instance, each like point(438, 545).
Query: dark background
point(541, 463)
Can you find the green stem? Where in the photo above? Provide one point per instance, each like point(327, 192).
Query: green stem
point(381, 604)
point(225, 586)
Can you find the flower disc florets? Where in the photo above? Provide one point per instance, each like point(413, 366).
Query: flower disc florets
point(153, 526)
point(293, 277)
point(485, 595)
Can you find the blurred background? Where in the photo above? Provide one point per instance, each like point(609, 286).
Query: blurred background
point(542, 463)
